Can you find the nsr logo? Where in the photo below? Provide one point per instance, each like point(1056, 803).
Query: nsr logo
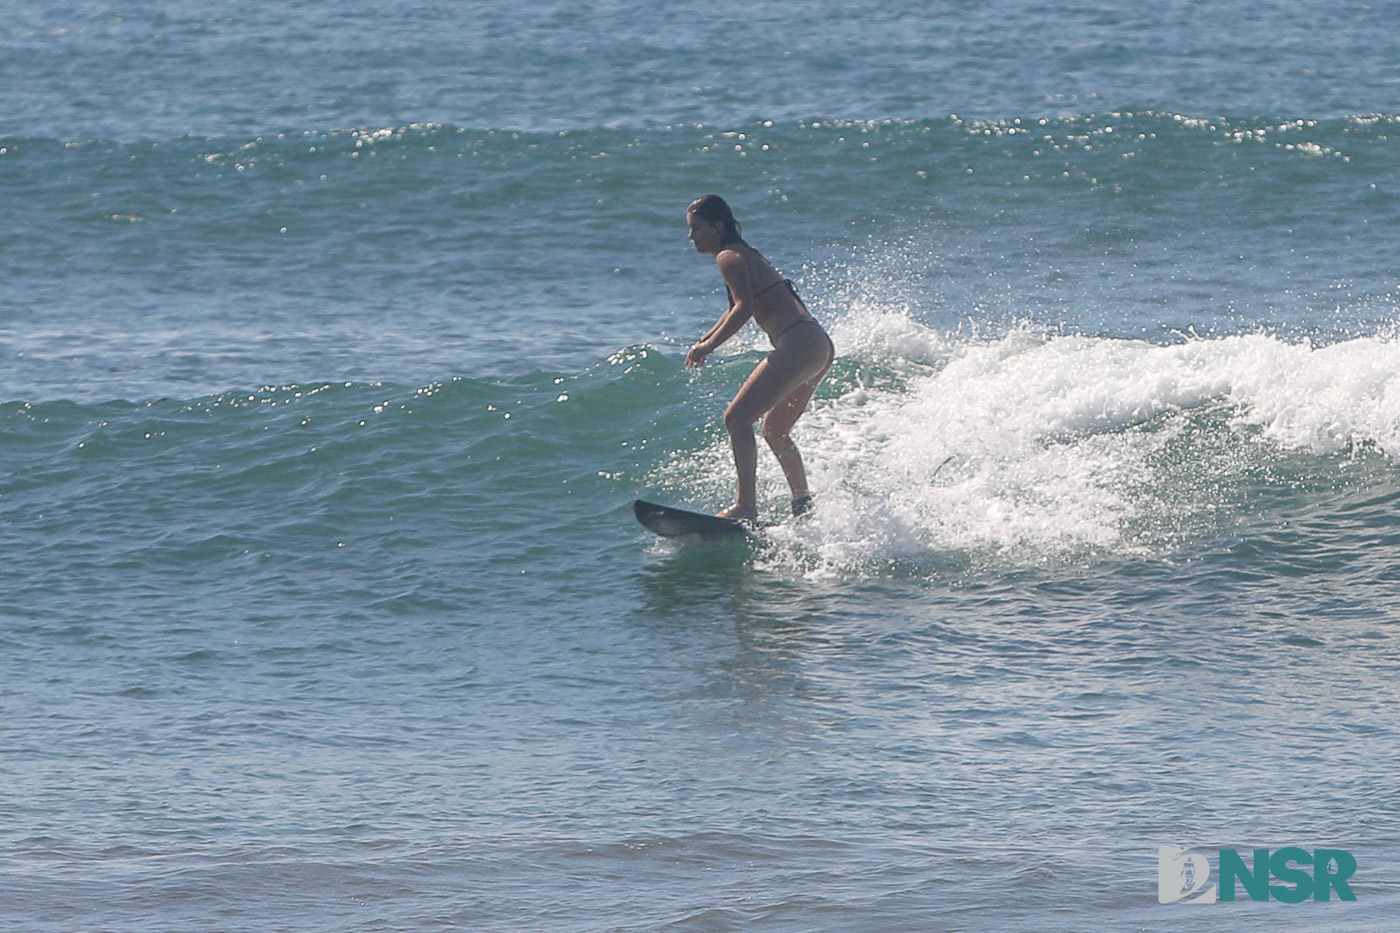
point(1182, 875)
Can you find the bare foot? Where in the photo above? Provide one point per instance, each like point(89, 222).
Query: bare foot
point(739, 513)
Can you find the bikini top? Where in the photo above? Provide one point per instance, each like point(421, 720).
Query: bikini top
point(768, 288)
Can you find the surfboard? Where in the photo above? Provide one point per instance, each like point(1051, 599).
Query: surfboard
point(671, 522)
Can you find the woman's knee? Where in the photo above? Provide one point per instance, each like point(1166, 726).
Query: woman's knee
point(736, 420)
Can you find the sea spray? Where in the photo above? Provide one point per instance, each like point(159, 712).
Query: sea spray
point(1035, 446)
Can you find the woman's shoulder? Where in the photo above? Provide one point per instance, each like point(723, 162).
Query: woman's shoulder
point(734, 256)
point(736, 253)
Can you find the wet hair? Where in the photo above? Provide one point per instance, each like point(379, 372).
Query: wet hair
point(714, 209)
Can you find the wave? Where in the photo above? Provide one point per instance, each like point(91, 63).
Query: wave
point(1034, 446)
point(1255, 127)
point(296, 469)
point(1115, 181)
point(1124, 133)
point(1024, 447)
point(1123, 185)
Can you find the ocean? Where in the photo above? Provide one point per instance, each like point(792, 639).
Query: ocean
point(338, 339)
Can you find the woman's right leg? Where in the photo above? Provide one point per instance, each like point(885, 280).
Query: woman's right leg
point(777, 428)
point(780, 386)
point(779, 421)
point(763, 385)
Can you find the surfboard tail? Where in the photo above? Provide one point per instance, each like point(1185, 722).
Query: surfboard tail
point(669, 522)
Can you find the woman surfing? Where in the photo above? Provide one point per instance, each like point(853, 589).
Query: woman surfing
point(783, 383)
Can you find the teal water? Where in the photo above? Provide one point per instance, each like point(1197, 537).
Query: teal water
point(337, 343)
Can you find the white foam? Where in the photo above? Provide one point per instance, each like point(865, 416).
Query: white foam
point(1327, 399)
point(1040, 446)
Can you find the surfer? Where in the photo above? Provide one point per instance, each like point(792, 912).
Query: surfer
point(783, 383)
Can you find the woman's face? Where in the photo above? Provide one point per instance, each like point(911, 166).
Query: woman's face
point(704, 234)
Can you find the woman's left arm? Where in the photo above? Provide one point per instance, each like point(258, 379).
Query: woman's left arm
point(736, 275)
